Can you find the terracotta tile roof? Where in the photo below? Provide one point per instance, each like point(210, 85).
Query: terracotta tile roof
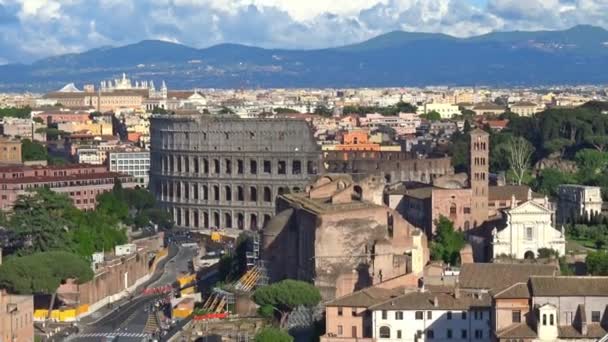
point(500, 276)
point(426, 301)
point(594, 330)
point(504, 193)
point(518, 290)
point(366, 297)
point(520, 330)
point(569, 286)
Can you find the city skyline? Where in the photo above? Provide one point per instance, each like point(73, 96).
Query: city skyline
point(78, 26)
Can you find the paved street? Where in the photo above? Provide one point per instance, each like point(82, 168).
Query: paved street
point(133, 319)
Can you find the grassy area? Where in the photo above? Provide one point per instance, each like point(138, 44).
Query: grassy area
point(580, 245)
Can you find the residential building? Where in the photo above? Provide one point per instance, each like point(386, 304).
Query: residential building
point(340, 236)
point(83, 183)
point(552, 308)
point(526, 228)
point(348, 318)
point(525, 108)
point(575, 201)
point(22, 129)
point(135, 163)
point(212, 172)
point(433, 316)
point(10, 151)
point(16, 317)
point(446, 110)
point(489, 109)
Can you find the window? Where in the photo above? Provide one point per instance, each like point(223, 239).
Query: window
point(449, 314)
point(478, 334)
point(463, 334)
point(449, 333)
point(399, 334)
point(516, 316)
point(464, 315)
point(529, 233)
point(384, 314)
point(430, 334)
point(385, 332)
point(340, 330)
point(399, 315)
point(429, 315)
point(267, 166)
point(282, 167)
point(419, 315)
point(340, 311)
point(595, 316)
point(296, 167)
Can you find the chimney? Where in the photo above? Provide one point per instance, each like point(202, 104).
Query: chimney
point(435, 302)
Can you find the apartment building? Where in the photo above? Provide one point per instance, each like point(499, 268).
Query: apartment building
point(83, 183)
point(135, 163)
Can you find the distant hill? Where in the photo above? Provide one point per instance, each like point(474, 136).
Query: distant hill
point(573, 56)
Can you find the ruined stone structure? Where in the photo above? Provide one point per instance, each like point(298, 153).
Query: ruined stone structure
point(226, 172)
point(393, 166)
point(339, 236)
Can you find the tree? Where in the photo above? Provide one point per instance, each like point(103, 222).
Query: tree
point(322, 110)
point(520, 153)
point(597, 263)
point(270, 334)
point(591, 163)
point(42, 272)
point(33, 150)
point(159, 110)
point(431, 116)
point(447, 243)
point(286, 295)
point(550, 179)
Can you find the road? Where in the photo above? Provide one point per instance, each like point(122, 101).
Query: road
point(132, 320)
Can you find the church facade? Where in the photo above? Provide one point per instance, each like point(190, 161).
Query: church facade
point(527, 228)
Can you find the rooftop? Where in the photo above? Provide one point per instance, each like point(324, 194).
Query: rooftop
point(500, 276)
point(569, 286)
point(435, 301)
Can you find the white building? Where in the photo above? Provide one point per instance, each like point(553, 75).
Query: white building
point(527, 228)
point(578, 200)
point(433, 316)
point(446, 110)
point(134, 163)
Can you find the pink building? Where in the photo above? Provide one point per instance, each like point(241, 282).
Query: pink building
point(83, 183)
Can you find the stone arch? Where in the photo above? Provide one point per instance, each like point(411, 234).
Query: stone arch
point(228, 193)
point(216, 220)
point(267, 194)
point(253, 222)
point(358, 192)
point(227, 220)
point(240, 221)
point(253, 194)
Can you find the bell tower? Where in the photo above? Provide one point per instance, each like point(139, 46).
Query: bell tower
point(479, 175)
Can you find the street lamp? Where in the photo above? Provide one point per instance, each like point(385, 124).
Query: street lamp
point(12, 309)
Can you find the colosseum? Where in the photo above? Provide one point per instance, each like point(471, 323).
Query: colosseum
point(225, 172)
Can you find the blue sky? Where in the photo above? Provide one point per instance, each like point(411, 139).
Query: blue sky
point(33, 29)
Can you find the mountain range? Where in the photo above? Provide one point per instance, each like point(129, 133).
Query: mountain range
point(575, 56)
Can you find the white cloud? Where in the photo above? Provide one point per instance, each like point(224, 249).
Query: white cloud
point(31, 29)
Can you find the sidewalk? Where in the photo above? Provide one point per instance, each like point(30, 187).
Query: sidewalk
point(103, 312)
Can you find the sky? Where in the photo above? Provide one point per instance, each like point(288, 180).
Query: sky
point(34, 29)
